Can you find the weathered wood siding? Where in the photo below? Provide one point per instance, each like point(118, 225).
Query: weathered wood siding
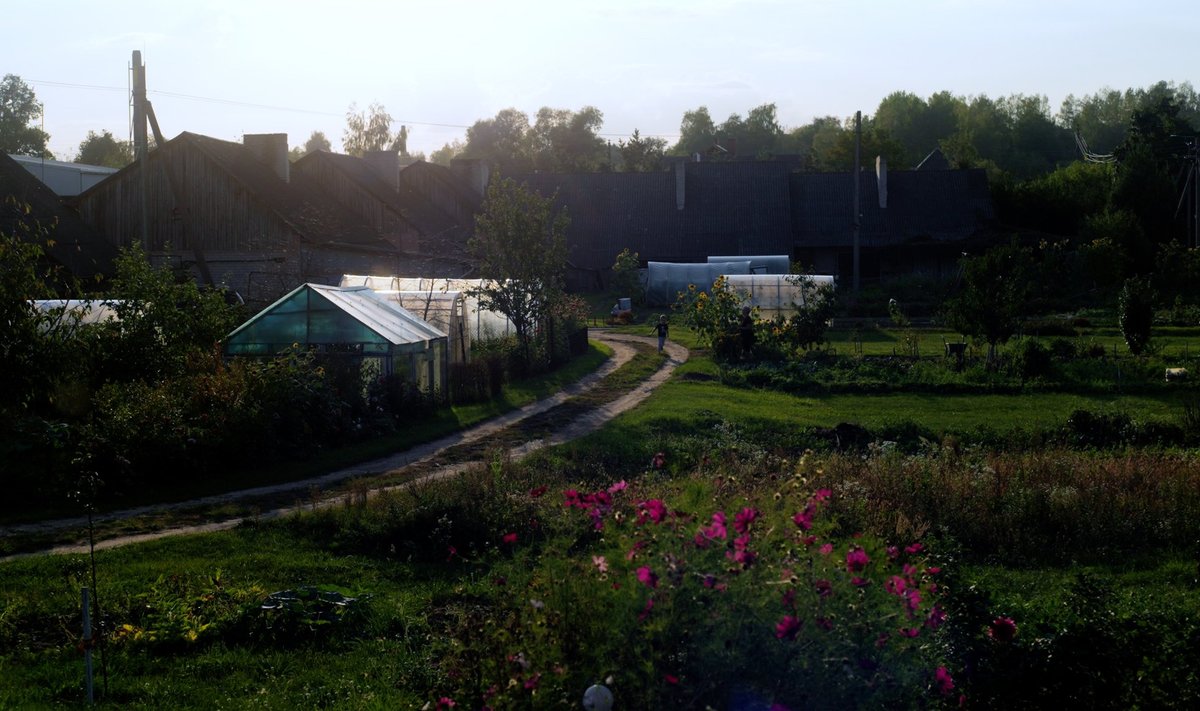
point(363, 203)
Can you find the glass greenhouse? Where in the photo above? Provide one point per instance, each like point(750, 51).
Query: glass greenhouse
point(352, 322)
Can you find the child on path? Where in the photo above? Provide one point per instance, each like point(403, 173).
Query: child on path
point(661, 329)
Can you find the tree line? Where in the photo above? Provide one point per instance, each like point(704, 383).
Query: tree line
point(1015, 137)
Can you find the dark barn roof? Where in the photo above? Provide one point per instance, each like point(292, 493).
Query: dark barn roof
point(316, 218)
point(737, 208)
point(612, 211)
point(26, 203)
point(925, 205)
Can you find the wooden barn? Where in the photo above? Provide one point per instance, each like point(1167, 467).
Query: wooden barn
point(231, 215)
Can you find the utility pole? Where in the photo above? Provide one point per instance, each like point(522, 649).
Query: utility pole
point(141, 147)
point(856, 173)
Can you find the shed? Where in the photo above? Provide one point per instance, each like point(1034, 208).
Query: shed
point(350, 321)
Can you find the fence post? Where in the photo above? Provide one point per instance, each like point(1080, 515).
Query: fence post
point(87, 647)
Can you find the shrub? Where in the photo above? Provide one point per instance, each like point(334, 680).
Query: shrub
point(1135, 312)
point(1030, 359)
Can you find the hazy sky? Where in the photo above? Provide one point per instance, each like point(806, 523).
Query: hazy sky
point(255, 66)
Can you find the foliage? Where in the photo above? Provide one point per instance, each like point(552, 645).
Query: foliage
point(627, 279)
point(32, 345)
point(161, 321)
point(991, 302)
point(1135, 313)
point(19, 109)
point(371, 130)
point(713, 314)
point(520, 244)
point(103, 149)
point(566, 141)
point(642, 155)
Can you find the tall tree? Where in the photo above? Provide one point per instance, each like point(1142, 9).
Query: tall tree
point(503, 141)
point(371, 130)
point(757, 135)
point(520, 243)
point(103, 149)
point(447, 152)
point(317, 142)
point(995, 290)
point(815, 139)
point(568, 141)
point(642, 155)
point(697, 133)
point(19, 110)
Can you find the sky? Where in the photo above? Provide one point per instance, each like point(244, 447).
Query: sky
point(225, 69)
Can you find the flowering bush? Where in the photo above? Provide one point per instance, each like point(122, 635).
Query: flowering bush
point(708, 592)
point(713, 315)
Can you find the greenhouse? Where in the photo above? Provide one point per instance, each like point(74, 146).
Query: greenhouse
point(481, 324)
point(665, 280)
point(777, 294)
point(760, 264)
point(350, 322)
point(446, 311)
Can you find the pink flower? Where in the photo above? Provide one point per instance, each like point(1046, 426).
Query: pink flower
point(533, 681)
point(823, 587)
point(601, 563)
point(646, 610)
point(741, 552)
point(714, 532)
point(856, 560)
point(445, 703)
point(789, 597)
point(808, 540)
point(653, 509)
point(933, 570)
point(826, 549)
point(821, 495)
point(881, 640)
point(910, 631)
point(914, 548)
point(895, 585)
point(647, 577)
point(619, 486)
point(943, 681)
point(912, 599)
point(825, 623)
point(571, 499)
point(1002, 629)
point(537, 491)
point(658, 461)
point(451, 551)
point(742, 521)
point(803, 520)
point(637, 546)
point(937, 616)
point(858, 581)
point(787, 628)
point(893, 552)
point(510, 538)
point(670, 678)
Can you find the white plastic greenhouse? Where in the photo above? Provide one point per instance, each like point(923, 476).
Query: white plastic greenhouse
point(760, 264)
point(776, 294)
point(665, 280)
point(480, 324)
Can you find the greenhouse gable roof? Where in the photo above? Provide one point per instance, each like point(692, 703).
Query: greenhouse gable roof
point(320, 315)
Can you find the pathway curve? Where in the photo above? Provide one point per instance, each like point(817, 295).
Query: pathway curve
point(420, 456)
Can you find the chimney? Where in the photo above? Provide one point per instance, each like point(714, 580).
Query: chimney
point(680, 182)
point(385, 164)
point(272, 150)
point(475, 171)
point(881, 179)
point(731, 146)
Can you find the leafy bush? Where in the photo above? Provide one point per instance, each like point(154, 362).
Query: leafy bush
point(1031, 359)
point(1135, 312)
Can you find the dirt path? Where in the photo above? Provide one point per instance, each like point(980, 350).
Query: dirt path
point(421, 460)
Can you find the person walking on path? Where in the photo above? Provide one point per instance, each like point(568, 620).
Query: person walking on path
point(746, 332)
point(661, 329)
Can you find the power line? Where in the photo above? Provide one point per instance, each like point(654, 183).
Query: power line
point(313, 112)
